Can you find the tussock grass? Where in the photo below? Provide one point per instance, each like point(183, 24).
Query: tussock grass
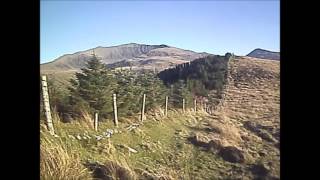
point(163, 151)
point(56, 162)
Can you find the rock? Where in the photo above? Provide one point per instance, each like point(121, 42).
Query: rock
point(232, 154)
point(78, 137)
point(132, 150)
point(98, 138)
point(110, 131)
point(72, 137)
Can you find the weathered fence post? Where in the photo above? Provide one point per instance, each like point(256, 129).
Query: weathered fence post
point(143, 106)
point(205, 107)
point(96, 121)
point(183, 105)
point(166, 108)
point(47, 104)
point(195, 105)
point(115, 111)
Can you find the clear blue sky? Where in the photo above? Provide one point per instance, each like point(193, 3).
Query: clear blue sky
point(204, 26)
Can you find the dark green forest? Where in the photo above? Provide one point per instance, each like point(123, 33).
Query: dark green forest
point(93, 88)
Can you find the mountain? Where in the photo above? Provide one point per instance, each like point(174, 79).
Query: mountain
point(264, 54)
point(136, 56)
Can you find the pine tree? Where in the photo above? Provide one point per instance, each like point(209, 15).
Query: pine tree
point(93, 88)
point(180, 92)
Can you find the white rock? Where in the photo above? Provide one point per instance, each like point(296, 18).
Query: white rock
point(72, 137)
point(79, 137)
point(99, 138)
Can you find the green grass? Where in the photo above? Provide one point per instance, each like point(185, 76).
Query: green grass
point(161, 144)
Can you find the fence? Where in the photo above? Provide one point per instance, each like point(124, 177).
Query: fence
point(196, 106)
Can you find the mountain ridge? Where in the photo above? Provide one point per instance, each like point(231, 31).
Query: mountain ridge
point(155, 54)
point(264, 54)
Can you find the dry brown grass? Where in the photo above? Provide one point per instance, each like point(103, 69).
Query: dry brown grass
point(228, 134)
point(59, 164)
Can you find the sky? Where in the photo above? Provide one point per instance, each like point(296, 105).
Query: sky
point(213, 26)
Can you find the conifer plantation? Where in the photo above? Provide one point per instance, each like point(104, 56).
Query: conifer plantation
point(91, 90)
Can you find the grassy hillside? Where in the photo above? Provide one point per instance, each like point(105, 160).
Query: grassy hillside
point(239, 140)
point(163, 146)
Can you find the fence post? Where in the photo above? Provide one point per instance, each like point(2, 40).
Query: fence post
point(195, 105)
point(183, 105)
point(205, 107)
point(47, 104)
point(143, 106)
point(166, 108)
point(96, 121)
point(115, 111)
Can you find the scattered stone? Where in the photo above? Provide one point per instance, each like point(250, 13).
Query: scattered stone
point(72, 137)
point(98, 138)
point(108, 133)
point(78, 137)
point(232, 154)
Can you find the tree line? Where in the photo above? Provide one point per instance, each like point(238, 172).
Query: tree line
point(92, 88)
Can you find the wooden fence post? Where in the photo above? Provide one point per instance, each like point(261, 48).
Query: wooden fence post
point(47, 104)
point(143, 107)
point(183, 105)
point(115, 111)
point(96, 121)
point(195, 105)
point(166, 108)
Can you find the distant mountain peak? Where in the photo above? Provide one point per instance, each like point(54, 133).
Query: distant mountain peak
point(143, 56)
point(264, 54)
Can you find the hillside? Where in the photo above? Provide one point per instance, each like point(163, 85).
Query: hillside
point(140, 56)
point(264, 54)
point(239, 140)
